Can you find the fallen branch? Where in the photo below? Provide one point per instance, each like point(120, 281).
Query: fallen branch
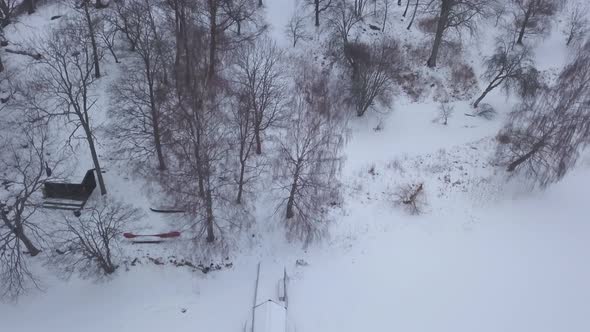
point(35, 56)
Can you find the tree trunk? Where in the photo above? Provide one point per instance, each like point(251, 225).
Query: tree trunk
point(259, 3)
point(20, 233)
point(493, 84)
point(445, 10)
point(1, 65)
point(158, 143)
point(107, 266)
point(513, 165)
point(241, 182)
point(407, 7)
point(258, 140)
point(212, 38)
point(103, 189)
point(385, 15)
point(525, 22)
point(30, 6)
point(291, 200)
point(210, 220)
point(413, 15)
point(92, 40)
point(155, 119)
point(317, 13)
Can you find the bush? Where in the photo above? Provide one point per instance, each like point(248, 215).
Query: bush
point(463, 81)
point(412, 197)
point(428, 24)
point(485, 111)
point(90, 243)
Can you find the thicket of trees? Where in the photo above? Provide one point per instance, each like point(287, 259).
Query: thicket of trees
point(211, 109)
point(546, 131)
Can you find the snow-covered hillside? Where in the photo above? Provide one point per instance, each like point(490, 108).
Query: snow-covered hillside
point(485, 254)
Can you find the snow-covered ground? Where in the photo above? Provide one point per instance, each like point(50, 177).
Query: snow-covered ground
point(487, 254)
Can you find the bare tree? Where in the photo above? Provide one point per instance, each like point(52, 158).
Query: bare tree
point(295, 28)
point(359, 7)
point(533, 16)
point(221, 15)
point(511, 67)
point(64, 83)
point(108, 33)
point(319, 6)
point(90, 243)
point(578, 22)
point(458, 15)
point(373, 69)
point(7, 11)
point(142, 92)
point(445, 112)
point(198, 141)
point(91, 21)
point(23, 164)
point(260, 76)
point(309, 167)
point(544, 135)
point(240, 11)
point(200, 147)
point(342, 20)
point(243, 123)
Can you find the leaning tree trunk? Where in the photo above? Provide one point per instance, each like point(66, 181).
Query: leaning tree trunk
point(18, 230)
point(31, 248)
point(445, 10)
point(92, 40)
point(520, 160)
point(493, 84)
point(103, 188)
